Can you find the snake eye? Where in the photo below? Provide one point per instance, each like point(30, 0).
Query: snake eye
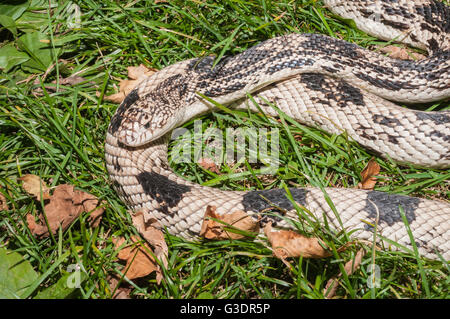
point(138, 126)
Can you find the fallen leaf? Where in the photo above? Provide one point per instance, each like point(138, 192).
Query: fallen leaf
point(33, 185)
point(90, 205)
point(136, 74)
point(139, 262)
point(16, 275)
point(287, 243)
point(208, 164)
point(401, 53)
point(368, 175)
point(3, 205)
point(139, 72)
point(238, 220)
point(64, 206)
point(60, 211)
point(71, 80)
point(349, 268)
point(151, 231)
point(115, 98)
point(120, 292)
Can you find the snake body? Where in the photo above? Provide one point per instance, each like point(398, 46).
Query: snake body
point(319, 81)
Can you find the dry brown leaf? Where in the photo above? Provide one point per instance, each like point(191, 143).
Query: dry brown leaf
point(120, 292)
point(401, 53)
point(60, 211)
point(139, 261)
point(33, 184)
point(287, 243)
point(212, 229)
point(349, 267)
point(136, 75)
point(368, 175)
point(90, 205)
point(139, 72)
point(208, 164)
point(152, 233)
point(71, 80)
point(3, 205)
point(64, 206)
point(115, 98)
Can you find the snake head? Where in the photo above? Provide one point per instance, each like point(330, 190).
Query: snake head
point(143, 119)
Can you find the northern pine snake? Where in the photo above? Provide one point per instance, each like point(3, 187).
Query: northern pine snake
point(320, 81)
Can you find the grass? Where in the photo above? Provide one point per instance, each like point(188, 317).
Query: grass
point(57, 131)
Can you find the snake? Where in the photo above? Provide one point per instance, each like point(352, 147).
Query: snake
point(319, 81)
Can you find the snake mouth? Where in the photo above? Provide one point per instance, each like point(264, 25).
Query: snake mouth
point(146, 133)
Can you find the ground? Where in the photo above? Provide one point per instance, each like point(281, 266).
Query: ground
point(55, 128)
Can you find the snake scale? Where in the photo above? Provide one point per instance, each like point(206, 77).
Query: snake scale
point(319, 81)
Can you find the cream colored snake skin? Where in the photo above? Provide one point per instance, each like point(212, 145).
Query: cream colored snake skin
point(322, 82)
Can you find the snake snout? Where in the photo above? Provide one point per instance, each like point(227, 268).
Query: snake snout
point(144, 125)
